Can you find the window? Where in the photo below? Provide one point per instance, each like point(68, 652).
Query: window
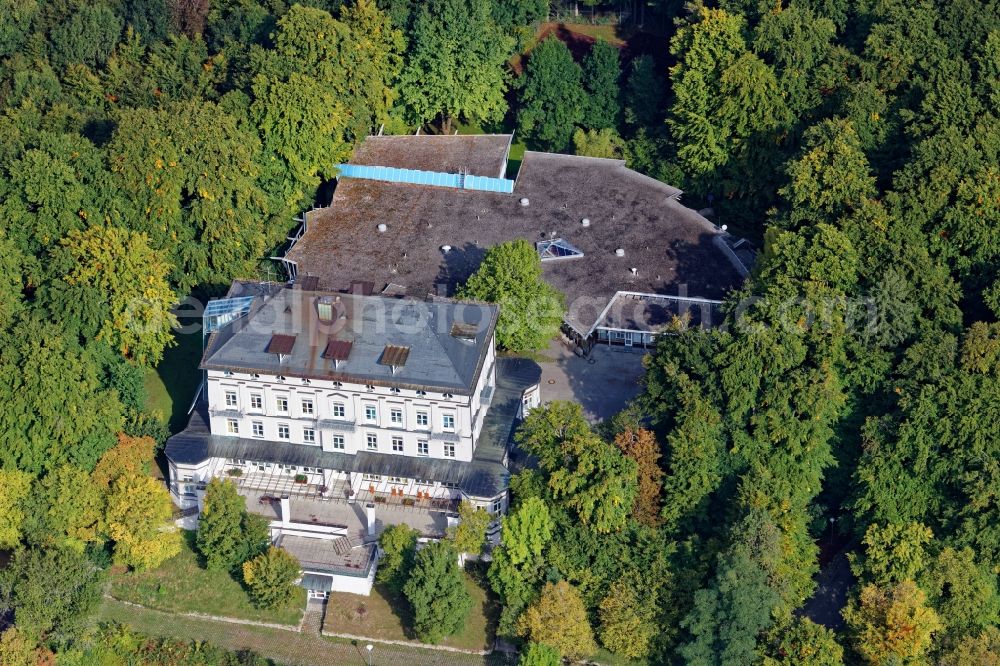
point(338, 410)
point(372, 477)
point(423, 482)
point(397, 444)
point(232, 426)
point(396, 479)
point(422, 448)
point(338, 442)
point(282, 404)
point(422, 419)
point(396, 416)
point(283, 432)
point(308, 435)
point(449, 450)
point(449, 484)
point(372, 441)
point(395, 390)
point(371, 413)
point(258, 429)
point(497, 505)
point(256, 401)
point(448, 421)
point(307, 406)
point(230, 398)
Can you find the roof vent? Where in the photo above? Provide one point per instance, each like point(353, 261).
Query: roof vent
point(620, 252)
point(634, 271)
point(382, 228)
point(524, 201)
point(585, 222)
point(725, 227)
point(446, 248)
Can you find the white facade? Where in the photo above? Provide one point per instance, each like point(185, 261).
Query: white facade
point(349, 418)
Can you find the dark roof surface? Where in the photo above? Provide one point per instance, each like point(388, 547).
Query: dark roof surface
point(484, 476)
point(670, 246)
point(478, 155)
point(644, 312)
point(338, 350)
point(363, 327)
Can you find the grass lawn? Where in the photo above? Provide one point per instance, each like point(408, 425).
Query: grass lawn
point(182, 585)
point(387, 616)
point(171, 386)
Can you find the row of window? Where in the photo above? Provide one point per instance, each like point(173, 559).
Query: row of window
point(340, 410)
point(337, 441)
point(339, 385)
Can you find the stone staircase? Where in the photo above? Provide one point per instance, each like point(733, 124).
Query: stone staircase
point(312, 619)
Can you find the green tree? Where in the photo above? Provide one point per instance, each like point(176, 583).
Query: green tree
point(962, 592)
point(644, 93)
point(436, 591)
point(510, 275)
point(191, 170)
point(539, 654)
point(87, 37)
point(53, 592)
point(399, 547)
point(455, 64)
point(470, 533)
point(895, 552)
point(17, 649)
point(228, 535)
point(806, 643)
point(270, 577)
point(74, 507)
point(139, 521)
point(598, 143)
point(628, 626)
point(551, 97)
point(559, 619)
point(983, 650)
point(518, 562)
point(55, 408)
point(601, 70)
point(892, 624)
point(123, 281)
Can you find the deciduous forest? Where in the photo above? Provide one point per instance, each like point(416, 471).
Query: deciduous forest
point(847, 408)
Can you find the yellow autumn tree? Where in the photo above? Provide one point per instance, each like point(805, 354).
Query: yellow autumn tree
point(892, 624)
point(14, 488)
point(117, 272)
point(138, 520)
point(559, 619)
point(129, 456)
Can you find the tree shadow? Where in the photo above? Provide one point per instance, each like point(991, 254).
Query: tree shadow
point(456, 267)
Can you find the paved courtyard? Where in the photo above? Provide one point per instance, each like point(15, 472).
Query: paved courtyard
point(602, 383)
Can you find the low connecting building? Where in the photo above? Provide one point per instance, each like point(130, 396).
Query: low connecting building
point(414, 215)
point(318, 403)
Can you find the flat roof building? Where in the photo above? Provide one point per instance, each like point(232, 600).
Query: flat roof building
point(600, 227)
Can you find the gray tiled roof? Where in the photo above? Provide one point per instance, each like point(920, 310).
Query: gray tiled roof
point(484, 476)
point(435, 359)
point(478, 155)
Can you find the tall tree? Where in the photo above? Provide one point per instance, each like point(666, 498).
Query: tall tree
point(455, 64)
point(399, 547)
point(121, 282)
point(644, 92)
point(559, 619)
point(892, 623)
point(228, 535)
point(518, 562)
point(436, 591)
point(510, 275)
point(470, 533)
point(601, 71)
point(551, 97)
point(139, 522)
point(271, 576)
point(640, 445)
point(15, 487)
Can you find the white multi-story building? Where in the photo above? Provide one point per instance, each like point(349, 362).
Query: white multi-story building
point(351, 397)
